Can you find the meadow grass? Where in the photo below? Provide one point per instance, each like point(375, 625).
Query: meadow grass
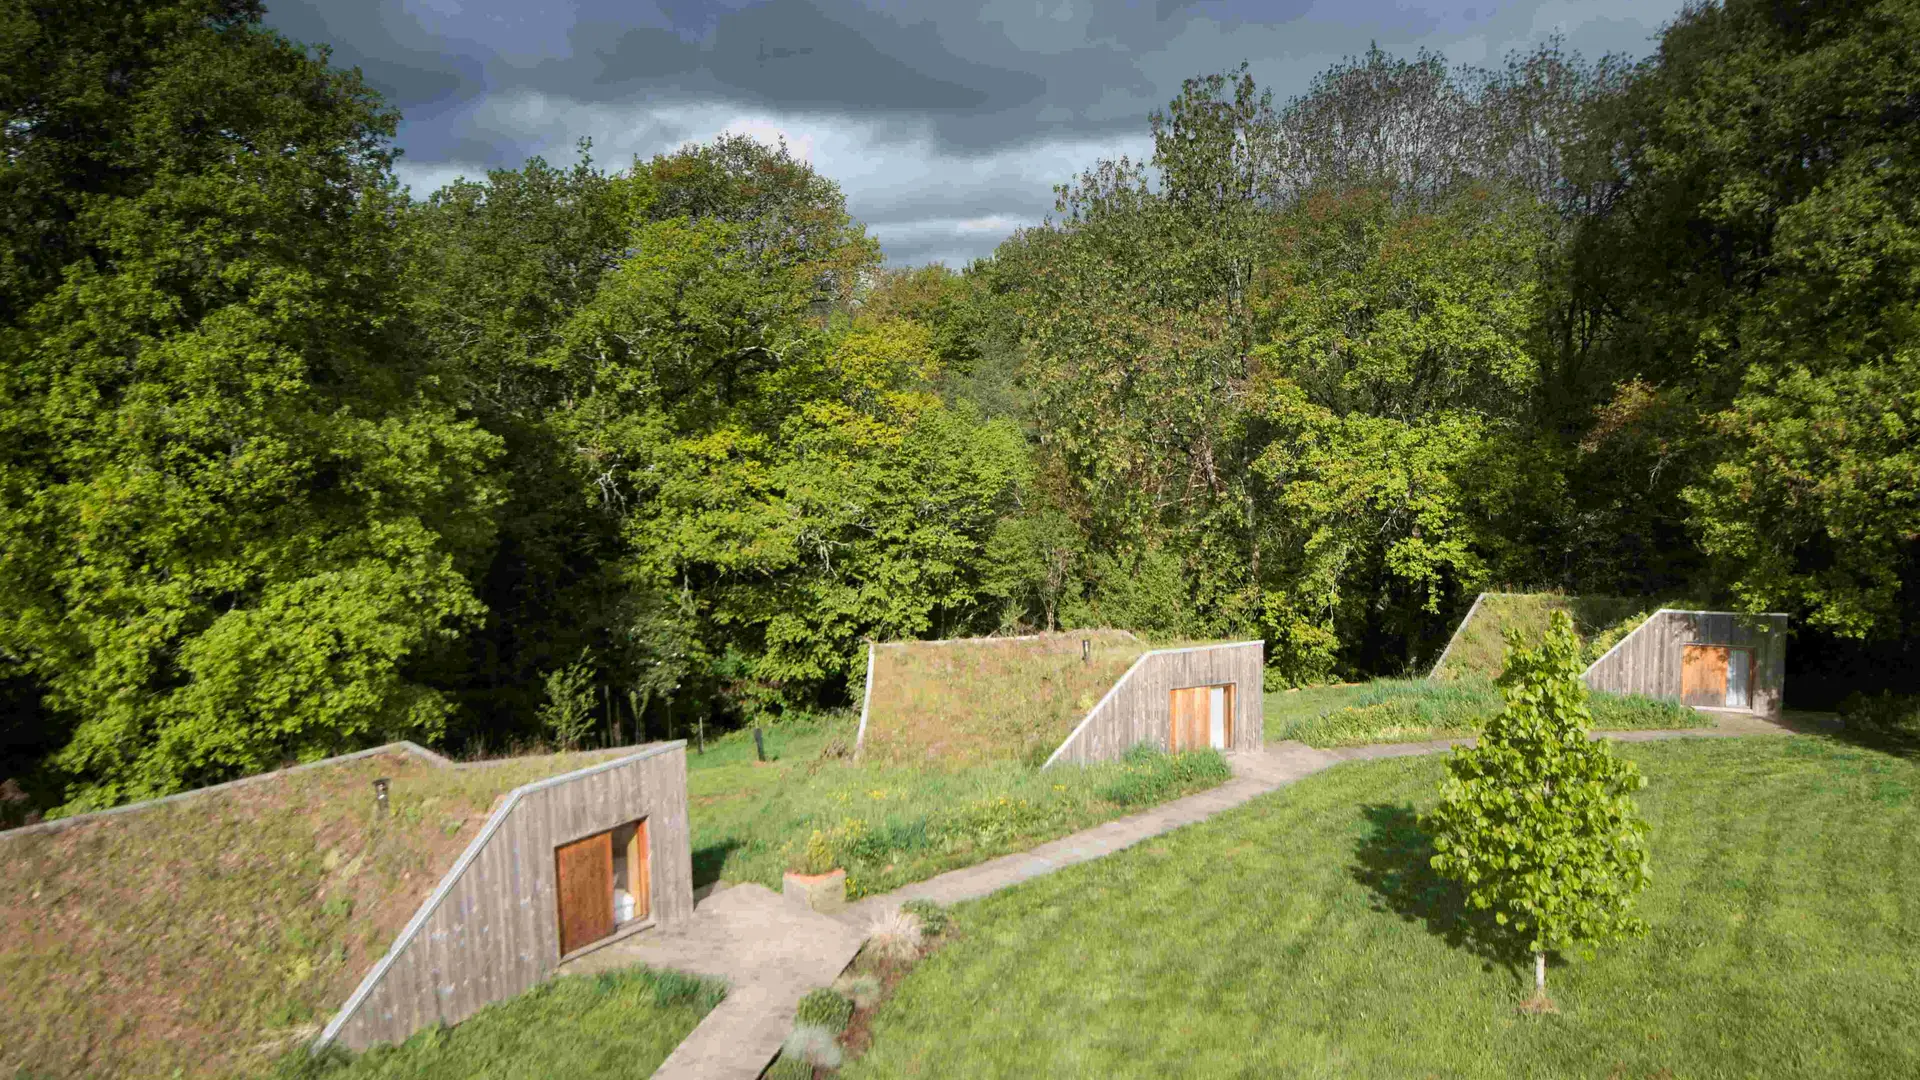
point(968, 702)
point(614, 1024)
point(888, 825)
point(1479, 650)
point(1415, 710)
point(200, 937)
point(1304, 935)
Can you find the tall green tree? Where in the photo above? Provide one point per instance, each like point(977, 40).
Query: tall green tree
point(1757, 244)
point(235, 508)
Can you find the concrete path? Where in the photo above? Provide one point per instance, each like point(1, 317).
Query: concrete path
point(768, 949)
point(772, 952)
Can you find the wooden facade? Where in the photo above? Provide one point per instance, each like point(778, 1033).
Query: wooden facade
point(1697, 656)
point(492, 928)
point(1141, 706)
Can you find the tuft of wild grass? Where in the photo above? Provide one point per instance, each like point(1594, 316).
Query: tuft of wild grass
point(812, 1044)
point(621, 1023)
point(895, 935)
point(1011, 699)
point(1415, 710)
point(1782, 914)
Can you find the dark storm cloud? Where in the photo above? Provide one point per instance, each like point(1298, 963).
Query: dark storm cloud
point(945, 122)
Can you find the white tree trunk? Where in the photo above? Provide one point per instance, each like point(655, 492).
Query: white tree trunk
point(1540, 973)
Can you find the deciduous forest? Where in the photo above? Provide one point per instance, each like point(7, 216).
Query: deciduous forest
point(294, 462)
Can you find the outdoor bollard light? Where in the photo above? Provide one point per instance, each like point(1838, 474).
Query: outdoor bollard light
point(759, 749)
point(380, 796)
point(1086, 650)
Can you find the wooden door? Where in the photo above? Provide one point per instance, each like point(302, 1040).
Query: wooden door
point(1703, 675)
point(584, 872)
point(1187, 719)
point(640, 870)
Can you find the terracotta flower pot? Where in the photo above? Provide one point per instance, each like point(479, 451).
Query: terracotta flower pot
point(822, 892)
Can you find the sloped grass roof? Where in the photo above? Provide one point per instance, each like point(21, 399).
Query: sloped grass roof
point(989, 699)
point(1478, 649)
point(208, 935)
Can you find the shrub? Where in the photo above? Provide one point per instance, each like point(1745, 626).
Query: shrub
point(934, 919)
point(1887, 720)
point(825, 1008)
point(568, 712)
point(812, 1045)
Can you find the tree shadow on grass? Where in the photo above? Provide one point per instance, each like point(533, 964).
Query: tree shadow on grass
point(710, 860)
point(1395, 862)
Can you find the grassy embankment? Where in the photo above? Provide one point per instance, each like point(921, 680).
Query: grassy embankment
point(894, 824)
point(207, 935)
point(616, 1024)
point(1782, 909)
point(1414, 710)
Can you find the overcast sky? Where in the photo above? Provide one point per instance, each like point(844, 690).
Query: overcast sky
point(945, 122)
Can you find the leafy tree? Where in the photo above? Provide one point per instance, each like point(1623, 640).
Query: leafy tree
point(236, 511)
point(1537, 821)
point(1757, 244)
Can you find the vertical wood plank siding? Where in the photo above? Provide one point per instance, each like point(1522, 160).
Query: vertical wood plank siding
point(1648, 661)
point(1138, 708)
point(491, 930)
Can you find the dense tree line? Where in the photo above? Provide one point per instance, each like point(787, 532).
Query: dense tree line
point(290, 463)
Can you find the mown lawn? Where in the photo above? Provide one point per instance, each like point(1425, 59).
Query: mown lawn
point(615, 1024)
point(1303, 935)
point(890, 824)
point(1415, 710)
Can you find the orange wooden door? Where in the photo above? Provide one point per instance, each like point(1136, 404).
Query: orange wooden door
point(585, 872)
point(1187, 719)
point(1703, 675)
point(640, 870)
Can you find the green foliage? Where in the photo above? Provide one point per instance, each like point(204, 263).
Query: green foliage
point(567, 715)
point(825, 1008)
point(1887, 720)
point(238, 510)
point(1537, 823)
point(1798, 386)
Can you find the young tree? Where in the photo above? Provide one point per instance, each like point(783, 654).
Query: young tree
point(1537, 822)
